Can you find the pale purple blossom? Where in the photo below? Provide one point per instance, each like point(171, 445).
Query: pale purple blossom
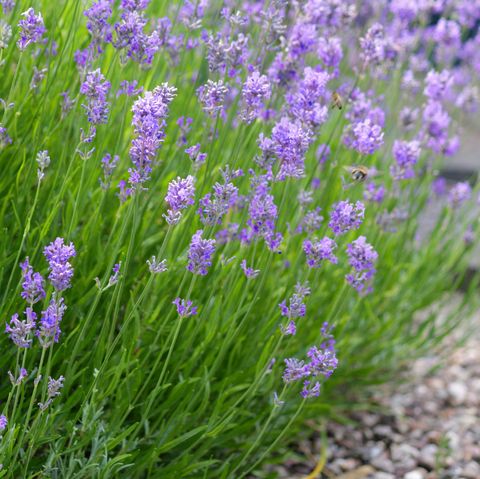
point(319, 251)
point(96, 88)
point(53, 390)
point(20, 331)
point(346, 216)
point(58, 254)
point(248, 271)
point(185, 307)
point(180, 195)
point(31, 28)
point(156, 266)
point(49, 328)
point(33, 285)
point(459, 194)
point(149, 114)
point(200, 254)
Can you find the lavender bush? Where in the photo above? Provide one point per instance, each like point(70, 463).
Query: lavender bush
point(217, 222)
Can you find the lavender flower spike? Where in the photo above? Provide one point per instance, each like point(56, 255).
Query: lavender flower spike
point(49, 329)
point(53, 390)
point(32, 29)
point(180, 195)
point(346, 216)
point(200, 254)
point(3, 422)
point(96, 88)
point(57, 254)
point(248, 271)
point(149, 114)
point(19, 330)
point(319, 251)
point(157, 266)
point(185, 307)
point(33, 284)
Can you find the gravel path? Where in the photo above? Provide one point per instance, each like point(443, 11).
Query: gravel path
point(430, 430)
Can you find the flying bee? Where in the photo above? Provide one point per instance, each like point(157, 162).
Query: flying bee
point(359, 174)
point(337, 100)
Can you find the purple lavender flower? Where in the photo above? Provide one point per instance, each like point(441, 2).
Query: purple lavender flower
point(180, 195)
point(362, 258)
point(140, 46)
point(322, 363)
point(439, 186)
point(53, 390)
point(290, 143)
point(195, 155)
point(4, 137)
point(361, 254)
point(261, 208)
point(33, 284)
point(149, 114)
point(185, 307)
point(346, 216)
point(214, 206)
point(296, 308)
point(37, 78)
point(329, 50)
point(108, 165)
point(3, 422)
point(368, 137)
point(67, 103)
point(448, 33)
point(374, 46)
point(311, 222)
point(405, 10)
point(406, 154)
point(249, 272)
point(305, 104)
point(100, 30)
point(459, 193)
point(115, 276)
point(57, 254)
point(200, 254)
point(19, 330)
point(128, 88)
point(32, 29)
point(155, 266)
point(320, 251)
point(374, 193)
point(256, 90)
point(227, 234)
point(49, 329)
point(438, 85)
point(123, 191)
point(310, 390)
point(323, 153)
point(96, 88)
point(323, 360)
point(134, 5)
point(435, 125)
point(7, 6)
point(295, 370)
point(212, 96)
point(290, 329)
point(185, 125)
point(302, 40)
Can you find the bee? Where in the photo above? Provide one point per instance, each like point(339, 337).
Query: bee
point(337, 100)
point(359, 174)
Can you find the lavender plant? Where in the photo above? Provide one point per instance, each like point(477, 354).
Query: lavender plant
point(250, 223)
